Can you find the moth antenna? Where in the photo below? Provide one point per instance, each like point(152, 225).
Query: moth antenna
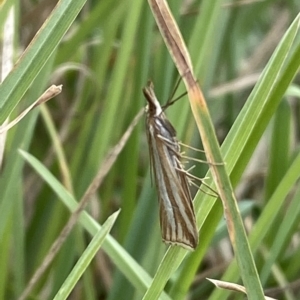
point(170, 101)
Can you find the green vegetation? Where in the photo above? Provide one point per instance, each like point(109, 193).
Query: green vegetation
point(246, 57)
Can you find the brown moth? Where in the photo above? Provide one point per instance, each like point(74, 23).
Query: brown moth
point(176, 211)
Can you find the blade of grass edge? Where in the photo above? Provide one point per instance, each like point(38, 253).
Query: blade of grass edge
point(180, 55)
point(269, 108)
point(211, 204)
point(86, 258)
point(37, 54)
point(127, 265)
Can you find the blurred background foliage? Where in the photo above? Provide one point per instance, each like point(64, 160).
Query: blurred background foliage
point(103, 54)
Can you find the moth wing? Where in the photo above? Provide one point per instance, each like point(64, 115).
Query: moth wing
point(177, 217)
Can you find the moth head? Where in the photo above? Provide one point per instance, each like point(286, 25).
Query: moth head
point(153, 108)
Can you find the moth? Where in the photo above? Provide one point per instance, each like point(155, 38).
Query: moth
point(176, 211)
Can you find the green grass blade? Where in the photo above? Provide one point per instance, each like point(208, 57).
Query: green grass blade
point(103, 57)
point(118, 255)
point(280, 153)
point(284, 234)
point(36, 55)
point(268, 216)
point(241, 133)
point(86, 258)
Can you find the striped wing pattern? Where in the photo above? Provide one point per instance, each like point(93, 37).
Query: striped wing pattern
point(177, 217)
